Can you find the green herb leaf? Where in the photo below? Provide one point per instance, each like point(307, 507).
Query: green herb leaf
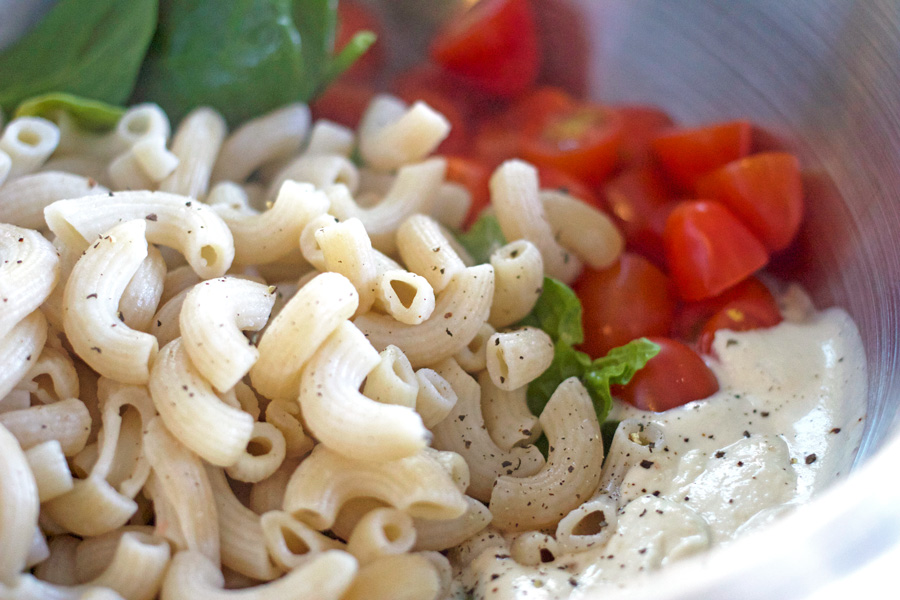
point(242, 57)
point(316, 20)
point(607, 431)
point(616, 368)
point(558, 312)
point(482, 238)
point(90, 48)
point(567, 362)
point(356, 47)
point(91, 115)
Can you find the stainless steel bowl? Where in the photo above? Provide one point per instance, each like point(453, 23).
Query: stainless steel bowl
point(823, 80)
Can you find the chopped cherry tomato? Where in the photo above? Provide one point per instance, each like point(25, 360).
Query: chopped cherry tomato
point(765, 191)
point(708, 249)
point(739, 315)
point(688, 154)
point(343, 102)
point(558, 180)
point(353, 17)
point(475, 177)
point(493, 45)
point(640, 201)
point(674, 377)
point(690, 317)
point(495, 142)
point(631, 299)
point(642, 124)
point(581, 139)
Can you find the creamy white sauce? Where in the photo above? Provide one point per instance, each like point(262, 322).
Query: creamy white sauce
point(786, 422)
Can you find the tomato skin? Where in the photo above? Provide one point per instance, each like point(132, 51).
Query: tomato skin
point(739, 315)
point(765, 191)
point(688, 154)
point(343, 102)
point(494, 45)
point(553, 179)
point(475, 177)
point(582, 140)
point(674, 377)
point(353, 17)
point(630, 299)
point(708, 249)
point(641, 124)
point(639, 201)
point(691, 317)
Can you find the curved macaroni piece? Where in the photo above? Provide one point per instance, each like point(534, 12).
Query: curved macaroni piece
point(381, 532)
point(137, 567)
point(92, 507)
point(241, 537)
point(23, 200)
point(274, 135)
point(29, 142)
point(533, 548)
point(459, 313)
point(213, 317)
point(19, 508)
point(327, 137)
point(321, 171)
point(473, 357)
point(292, 543)
point(262, 238)
point(346, 249)
point(413, 191)
point(572, 470)
point(589, 525)
point(140, 298)
point(405, 296)
point(66, 421)
point(632, 465)
point(343, 419)
point(57, 366)
point(285, 416)
point(19, 348)
point(142, 166)
point(463, 432)
point(325, 481)
point(392, 135)
point(435, 399)
point(325, 577)
point(183, 485)
point(518, 282)
point(392, 380)
point(396, 577)
point(138, 122)
point(292, 337)
point(447, 533)
point(516, 358)
point(5, 166)
point(582, 229)
point(426, 251)
point(91, 306)
point(29, 587)
point(193, 413)
point(50, 470)
point(179, 222)
point(196, 143)
point(506, 415)
point(515, 197)
point(264, 454)
point(452, 205)
point(29, 270)
point(268, 494)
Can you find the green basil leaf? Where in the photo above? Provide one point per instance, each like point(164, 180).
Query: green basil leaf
point(316, 20)
point(482, 238)
point(242, 57)
point(557, 312)
point(91, 115)
point(607, 431)
point(567, 362)
point(90, 48)
point(616, 368)
point(348, 55)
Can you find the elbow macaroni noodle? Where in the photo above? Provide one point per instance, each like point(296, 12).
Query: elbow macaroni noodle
point(299, 383)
